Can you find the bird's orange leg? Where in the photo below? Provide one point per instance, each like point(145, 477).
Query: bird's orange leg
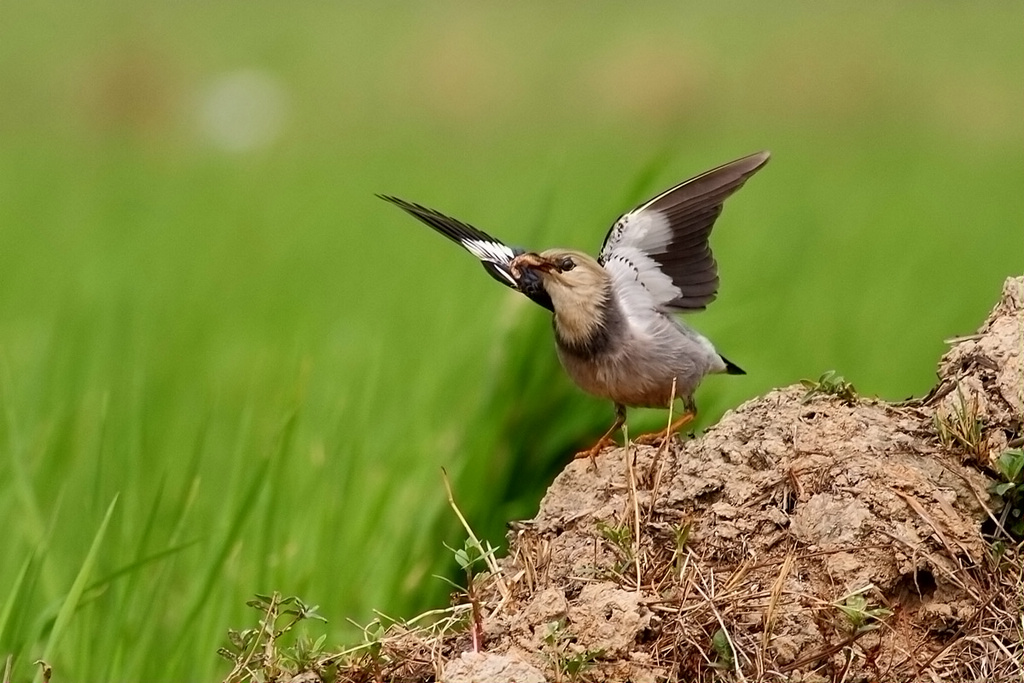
point(651, 438)
point(606, 440)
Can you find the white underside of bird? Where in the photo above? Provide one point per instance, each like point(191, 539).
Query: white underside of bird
point(650, 357)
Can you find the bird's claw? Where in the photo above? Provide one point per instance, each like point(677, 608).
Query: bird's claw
point(594, 450)
point(653, 438)
point(659, 437)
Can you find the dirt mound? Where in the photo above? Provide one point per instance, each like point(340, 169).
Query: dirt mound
point(810, 536)
point(794, 537)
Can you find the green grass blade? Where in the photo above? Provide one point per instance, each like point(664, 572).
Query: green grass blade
point(32, 525)
point(12, 598)
point(67, 609)
point(272, 508)
point(101, 583)
point(223, 550)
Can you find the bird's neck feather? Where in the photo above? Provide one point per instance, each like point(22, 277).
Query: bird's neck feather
point(584, 320)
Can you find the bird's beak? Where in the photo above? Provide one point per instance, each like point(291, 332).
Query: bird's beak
point(529, 262)
point(527, 269)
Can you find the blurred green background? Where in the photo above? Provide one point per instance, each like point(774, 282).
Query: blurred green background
point(205, 313)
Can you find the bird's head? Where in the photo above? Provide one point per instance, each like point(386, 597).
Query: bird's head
point(578, 286)
point(561, 271)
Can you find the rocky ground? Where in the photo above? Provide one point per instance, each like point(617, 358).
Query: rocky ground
point(812, 535)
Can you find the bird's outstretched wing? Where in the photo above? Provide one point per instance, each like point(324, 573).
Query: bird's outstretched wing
point(494, 255)
point(663, 243)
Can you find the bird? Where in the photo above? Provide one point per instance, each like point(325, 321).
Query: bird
point(614, 317)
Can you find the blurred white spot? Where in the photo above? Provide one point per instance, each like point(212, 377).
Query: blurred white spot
point(243, 110)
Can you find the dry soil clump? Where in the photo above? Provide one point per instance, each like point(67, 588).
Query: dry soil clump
point(810, 536)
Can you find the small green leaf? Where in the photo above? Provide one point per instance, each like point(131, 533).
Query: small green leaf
point(1001, 489)
point(1011, 464)
point(854, 609)
point(720, 642)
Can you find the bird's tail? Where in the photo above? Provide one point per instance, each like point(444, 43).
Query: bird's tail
point(731, 368)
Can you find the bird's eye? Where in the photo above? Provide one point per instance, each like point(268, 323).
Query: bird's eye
point(566, 264)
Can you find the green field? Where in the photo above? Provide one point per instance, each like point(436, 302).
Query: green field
point(211, 329)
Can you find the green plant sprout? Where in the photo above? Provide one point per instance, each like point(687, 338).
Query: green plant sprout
point(831, 384)
point(723, 648)
point(1010, 465)
point(255, 652)
point(568, 665)
point(860, 613)
point(962, 428)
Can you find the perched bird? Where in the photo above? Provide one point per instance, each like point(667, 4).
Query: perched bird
point(613, 316)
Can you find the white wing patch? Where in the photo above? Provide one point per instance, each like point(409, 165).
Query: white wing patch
point(644, 229)
point(625, 255)
point(629, 263)
point(489, 251)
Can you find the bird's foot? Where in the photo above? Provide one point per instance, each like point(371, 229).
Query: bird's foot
point(653, 438)
point(606, 440)
point(661, 436)
point(592, 452)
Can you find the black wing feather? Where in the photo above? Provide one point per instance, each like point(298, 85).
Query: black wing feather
point(494, 255)
point(465, 235)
